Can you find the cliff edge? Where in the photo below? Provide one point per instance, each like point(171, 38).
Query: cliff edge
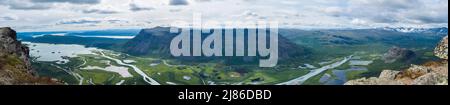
point(15, 65)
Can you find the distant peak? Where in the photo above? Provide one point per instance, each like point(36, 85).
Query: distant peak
point(416, 29)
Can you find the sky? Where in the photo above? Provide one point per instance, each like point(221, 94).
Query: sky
point(46, 15)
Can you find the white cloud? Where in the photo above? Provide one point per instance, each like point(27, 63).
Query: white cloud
point(359, 22)
point(292, 13)
point(399, 11)
point(334, 11)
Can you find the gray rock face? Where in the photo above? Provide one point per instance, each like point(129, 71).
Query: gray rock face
point(387, 77)
point(389, 74)
point(416, 75)
point(431, 79)
point(373, 81)
point(416, 71)
point(9, 45)
point(15, 66)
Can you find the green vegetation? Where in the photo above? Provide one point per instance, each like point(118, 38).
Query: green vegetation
point(314, 80)
point(169, 72)
point(47, 69)
point(99, 77)
point(354, 74)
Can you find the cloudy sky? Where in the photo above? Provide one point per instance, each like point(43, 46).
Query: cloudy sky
point(43, 15)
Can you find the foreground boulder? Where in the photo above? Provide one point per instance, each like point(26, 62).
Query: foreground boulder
point(416, 75)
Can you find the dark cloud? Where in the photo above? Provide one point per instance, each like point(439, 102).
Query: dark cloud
point(91, 21)
point(41, 4)
point(116, 21)
point(68, 1)
point(7, 18)
point(79, 21)
point(24, 5)
point(99, 11)
point(29, 7)
point(178, 2)
point(134, 7)
point(202, 0)
point(431, 19)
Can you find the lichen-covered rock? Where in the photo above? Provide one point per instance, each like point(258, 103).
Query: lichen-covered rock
point(373, 81)
point(440, 68)
point(441, 50)
point(414, 71)
point(415, 75)
point(431, 79)
point(389, 74)
point(387, 77)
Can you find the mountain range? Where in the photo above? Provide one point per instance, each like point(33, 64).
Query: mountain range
point(156, 42)
point(442, 30)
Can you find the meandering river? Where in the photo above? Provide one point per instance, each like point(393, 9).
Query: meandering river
point(300, 80)
point(147, 79)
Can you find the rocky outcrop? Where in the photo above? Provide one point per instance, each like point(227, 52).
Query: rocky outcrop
point(416, 75)
point(15, 65)
point(9, 45)
point(431, 73)
point(441, 50)
point(396, 53)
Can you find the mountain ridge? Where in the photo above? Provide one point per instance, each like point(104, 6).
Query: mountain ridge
point(156, 41)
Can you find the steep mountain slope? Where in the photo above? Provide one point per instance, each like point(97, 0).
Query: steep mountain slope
point(156, 42)
point(15, 66)
point(396, 53)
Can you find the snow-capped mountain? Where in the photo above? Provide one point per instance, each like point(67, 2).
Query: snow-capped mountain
point(442, 30)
